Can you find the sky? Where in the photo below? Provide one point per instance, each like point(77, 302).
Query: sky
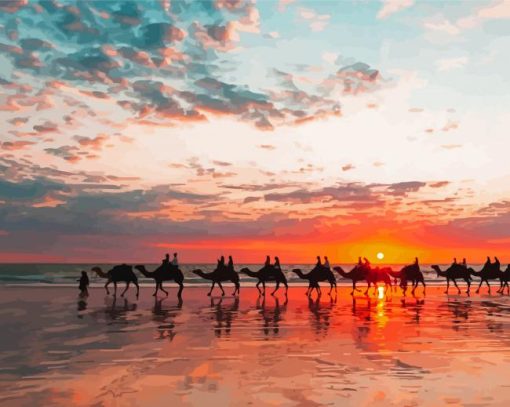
point(254, 128)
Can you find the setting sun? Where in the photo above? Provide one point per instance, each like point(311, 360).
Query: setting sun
point(380, 255)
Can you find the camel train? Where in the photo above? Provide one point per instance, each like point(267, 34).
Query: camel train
point(363, 271)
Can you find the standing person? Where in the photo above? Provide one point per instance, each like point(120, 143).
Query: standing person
point(230, 265)
point(277, 263)
point(175, 262)
point(326, 262)
point(84, 283)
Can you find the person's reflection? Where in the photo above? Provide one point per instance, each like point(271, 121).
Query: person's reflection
point(82, 306)
point(271, 316)
point(165, 318)
point(224, 316)
point(321, 313)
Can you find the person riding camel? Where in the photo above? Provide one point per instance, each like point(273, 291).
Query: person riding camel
point(175, 262)
point(496, 263)
point(230, 265)
point(326, 263)
point(277, 263)
point(267, 262)
point(319, 263)
point(366, 262)
point(221, 262)
point(464, 262)
point(359, 261)
point(166, 260)
point(416, 261)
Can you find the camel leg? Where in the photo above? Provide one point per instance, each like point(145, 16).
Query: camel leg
point(458, 289)
point(257, 285)
point(469, 285)
point(447, 285)
point(276, 288)
point(137, 288)
point(368, 288)
point(156, 292)
point(125, 289)
point(114, 288)
point(353, 287)
point(478, 289)
point(263, 288)
point(162, 289)
point(488, 286)
point(221, 288)
point(179, 293)
point(212, 287)
point(286, 289)
point(236, 289)
point(106, 287)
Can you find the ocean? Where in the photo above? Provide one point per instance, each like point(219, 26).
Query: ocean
point(66, 274)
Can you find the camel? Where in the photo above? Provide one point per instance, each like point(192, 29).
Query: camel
point(265, 274)
point(490, 271)
point(356, 274)
point(413, 274)
point(376, 275)
point(219, 275)
point(165, 272)
point(454, 272)
point(317, 274)
point(121, 272)
point(504, 279)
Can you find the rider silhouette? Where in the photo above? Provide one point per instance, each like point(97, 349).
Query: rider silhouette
point(277, 263)
point(268, 261)
point(221, 261)
point(230, 264)
point(326, 262)
point(318, 264)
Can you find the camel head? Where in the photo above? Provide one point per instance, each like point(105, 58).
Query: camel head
point(244, 270)
point(297, 271)
point(99, 272)
point(437, 270)
point(198, 272)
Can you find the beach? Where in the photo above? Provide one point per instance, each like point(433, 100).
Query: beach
point(59, 349)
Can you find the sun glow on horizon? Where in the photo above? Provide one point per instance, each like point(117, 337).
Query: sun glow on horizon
point(380, 255)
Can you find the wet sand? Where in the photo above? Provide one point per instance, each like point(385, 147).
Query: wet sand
point(56, 349)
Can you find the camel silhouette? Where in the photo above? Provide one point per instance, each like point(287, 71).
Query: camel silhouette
point(413, 274)
point(358, 273)
point(265, 274)
point(377, 275)
point(503, 280)
point(165, 272)
point(372, 275)
point(454, 272)
point(317, 274)
point(490, 271)
point(122, 272)
point(220, 274)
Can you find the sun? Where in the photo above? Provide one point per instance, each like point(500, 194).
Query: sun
point(380, 255)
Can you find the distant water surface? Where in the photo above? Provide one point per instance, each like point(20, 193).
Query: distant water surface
point(66, 274)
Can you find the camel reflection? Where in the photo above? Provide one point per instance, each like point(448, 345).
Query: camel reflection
point(118, 312)
point(415, 307)
point(271, 316)
point(165, 318)
point(321, 314)
point(223, 315)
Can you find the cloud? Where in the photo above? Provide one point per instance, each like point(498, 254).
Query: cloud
point(390, 7)
point(15, 145)
point(316, 22)
point(448, 64)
